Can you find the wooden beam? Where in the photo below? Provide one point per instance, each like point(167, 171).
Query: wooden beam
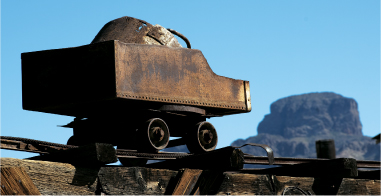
point(96, 154)
point(369, 174)
point(254, 184)
point(209, 182)
point(53, 178)
point(224, 159)
point(340, 168)
point(187, 181)
point(116, 180)
point(325, 149)
point(15, 181)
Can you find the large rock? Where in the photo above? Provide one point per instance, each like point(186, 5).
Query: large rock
point(296, 122)
point(311, 115)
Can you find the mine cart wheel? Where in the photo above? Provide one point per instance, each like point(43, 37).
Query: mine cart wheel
point(203, 138)
point(154, 135)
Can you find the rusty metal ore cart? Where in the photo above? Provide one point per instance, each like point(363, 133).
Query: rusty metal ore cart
point(134, 96)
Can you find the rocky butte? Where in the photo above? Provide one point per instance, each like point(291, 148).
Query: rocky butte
point(296, 122)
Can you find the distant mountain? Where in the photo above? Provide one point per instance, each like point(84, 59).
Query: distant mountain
point(296, 122)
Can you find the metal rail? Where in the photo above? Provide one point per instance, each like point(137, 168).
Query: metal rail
point(42, 147)
point(31, 145)
point(250, 159)
point(121, 153)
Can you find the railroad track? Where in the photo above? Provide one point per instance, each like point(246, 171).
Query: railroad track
point(43, 147)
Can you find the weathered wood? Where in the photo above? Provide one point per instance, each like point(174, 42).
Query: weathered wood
point(326, 185)
point(52, 178)
point(350, 186)
point(15, 181)
point(135, 180)
point(325, 149)
point(252, 184)
point(187, 181)
point(209, 182)
point(245, 184)
point(224, 159)
point(340, 168)
point(96, 154)
point(293, 185)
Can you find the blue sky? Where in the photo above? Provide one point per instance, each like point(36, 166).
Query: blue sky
point(282, 47)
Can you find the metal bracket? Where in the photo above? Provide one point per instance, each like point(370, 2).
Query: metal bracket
point(269, 151)
point(181, 36)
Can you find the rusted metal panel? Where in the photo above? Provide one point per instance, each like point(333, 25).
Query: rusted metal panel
point(111, 76)
point(174, 75)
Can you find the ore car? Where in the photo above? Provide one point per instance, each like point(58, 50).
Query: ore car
point(131, 94)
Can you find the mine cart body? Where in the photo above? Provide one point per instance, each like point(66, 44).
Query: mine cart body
point(111, 76)
point(131, 95)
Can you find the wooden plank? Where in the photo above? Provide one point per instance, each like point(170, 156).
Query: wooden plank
point(293, 185)
point(115, 180)
point(339, 168)
point(245, 184)
point(15, 181)
point(350, 186)
point(325, 149)
point(187, 181)
point(369, 174)
point(208, 183)
point(252, 184)
point(224, 159)
point(52, 178)
point(96, 154)
point(326, 185)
